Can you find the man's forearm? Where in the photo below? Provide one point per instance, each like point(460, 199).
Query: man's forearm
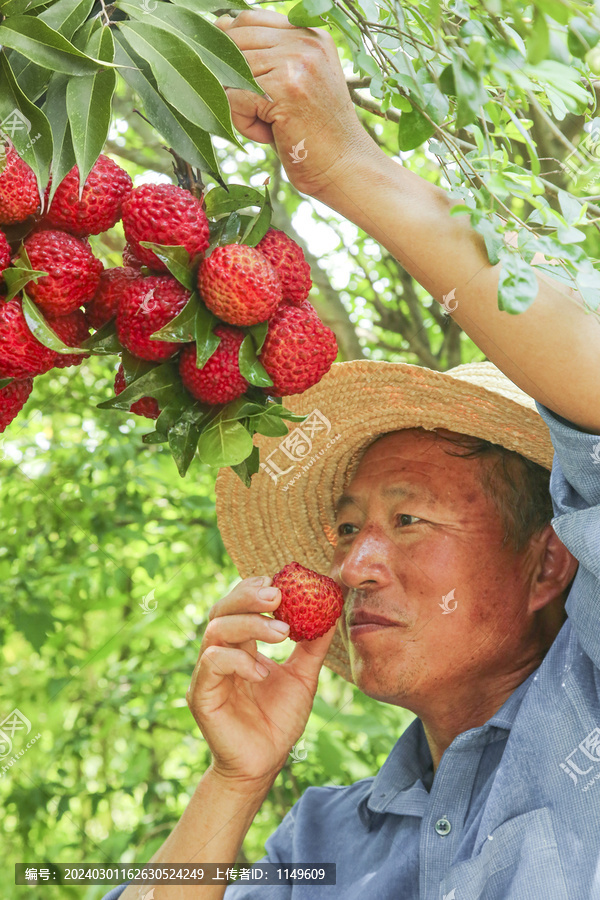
point(211, 830)
point(551, 350)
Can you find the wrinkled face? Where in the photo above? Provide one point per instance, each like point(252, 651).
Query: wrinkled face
point(414, 527)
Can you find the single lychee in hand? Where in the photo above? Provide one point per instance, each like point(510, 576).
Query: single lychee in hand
point(239, 285)
point(164, 214)
point(219, 380)
point(310, 603)
point(287, 258)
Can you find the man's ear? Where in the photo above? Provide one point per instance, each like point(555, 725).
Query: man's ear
point(555, 569)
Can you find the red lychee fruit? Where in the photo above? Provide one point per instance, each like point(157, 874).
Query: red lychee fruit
point(19, 196)
point(100, 206)
point(146, 306)
point(73, 271)
point(12, 400)
point(21, 354)
point(164, 214)
point(310, 603)
point(73, 330)
point(239, 284)
point(298, 349)
point(105, 303)
point(219, 380)
point(287, 258)
point(145, 406)
point(5, 253)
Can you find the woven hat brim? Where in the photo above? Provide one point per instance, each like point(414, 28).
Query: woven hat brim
point(287, 514)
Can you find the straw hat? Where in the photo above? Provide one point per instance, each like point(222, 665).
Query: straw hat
point(287, 512)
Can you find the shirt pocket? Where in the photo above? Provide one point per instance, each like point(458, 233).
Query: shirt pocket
point(518, 861)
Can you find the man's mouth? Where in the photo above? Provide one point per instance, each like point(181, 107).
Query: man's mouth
point(362, 621)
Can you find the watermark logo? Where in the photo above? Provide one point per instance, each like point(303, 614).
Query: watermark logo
point(447, 304)
point(15, 721)
point(146, 603)
point(14, 122)
point(298, 153)
point(582, 165)
point(446, 598)
point(149, 302)
point(595, 454)
point(148, 6)
point(297, 446)
point(589, 748)
point(149, 895)
point(298, 752)
point(451, 895)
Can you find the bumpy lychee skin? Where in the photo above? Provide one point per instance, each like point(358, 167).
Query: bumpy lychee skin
point(239, 284)
point(4, 253)
point(19, 196)
point(99, 209)
point(310, 603)
point(146, 306)
point(21, 354)
point(73, 330)
point(145, 406)
point(105, 303)
point(12, 400)
point(298, 349)
point(164, 214)
point(219, 380)
point(73, 271)
point(287, 258)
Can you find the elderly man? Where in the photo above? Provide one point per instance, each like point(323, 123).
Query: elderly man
point(422, 487)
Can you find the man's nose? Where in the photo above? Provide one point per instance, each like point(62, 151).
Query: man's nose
point(367, 561)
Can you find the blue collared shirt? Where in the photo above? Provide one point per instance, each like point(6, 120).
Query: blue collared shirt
point(514, 810)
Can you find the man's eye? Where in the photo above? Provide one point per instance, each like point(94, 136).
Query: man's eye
point(402, 516)
point(345, 529)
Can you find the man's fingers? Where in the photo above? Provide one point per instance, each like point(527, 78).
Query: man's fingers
point(255, 18)
point(217, 663)
point(306, 659)
point(228, 630)
point(247, 596)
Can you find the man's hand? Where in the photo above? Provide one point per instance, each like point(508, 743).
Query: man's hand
point(299, 69)
point(251, 720)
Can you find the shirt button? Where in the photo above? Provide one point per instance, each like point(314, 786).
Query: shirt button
point(443, 826)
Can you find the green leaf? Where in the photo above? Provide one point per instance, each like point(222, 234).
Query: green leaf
point(582, 36)
point(104, 342)
point(259, 333)
point(16, 277)
point(133, 367)
point(212, 5)
point(250, 366)
point(89, 104)
point(43, 45)
point(538, 39)
point(190, 142)
point(517, 285)
point(225, 444)
point(183, 327)
point(183, 440)
point(162, 382)
point(228, 199)
point(206, 340)
point(17, 7)
point(33, 142)
point(248, 467)
point(55, 109)
point(42, 331)
point(307, 13)
point(271, 426)
point(176, 259)
point(413, 129)
point(66, 16)
point(214, 47)
point(4, 382)
point(259, 225)
point(183, 78)
point(470, 92)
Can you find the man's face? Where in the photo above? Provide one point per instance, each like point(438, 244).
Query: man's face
point(414, 526)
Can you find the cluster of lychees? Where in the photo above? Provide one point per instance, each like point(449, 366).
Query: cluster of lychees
point(239, 284)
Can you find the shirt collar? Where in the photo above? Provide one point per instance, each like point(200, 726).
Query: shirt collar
point(409, 767)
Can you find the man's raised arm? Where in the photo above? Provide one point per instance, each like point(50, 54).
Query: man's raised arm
point(551, 350)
